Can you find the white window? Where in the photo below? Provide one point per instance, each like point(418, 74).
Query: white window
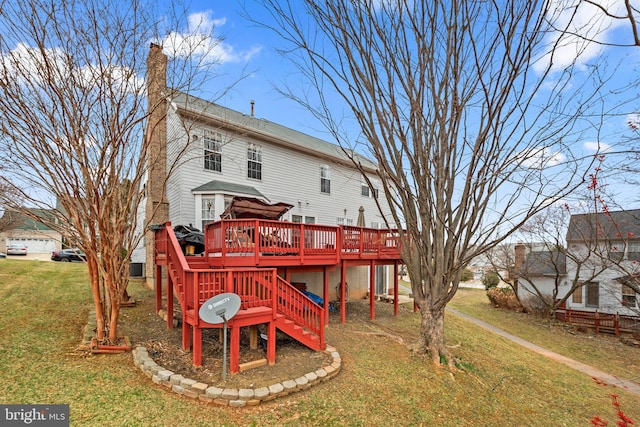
point(208, 211)
point(576, 298)
point(633, 251)
point(616, 251)
point(325, 179)
point(629, 296)
point(364, 190)
point(344, 221)
point(593, 294)
point(254, 161)
point(212, 151)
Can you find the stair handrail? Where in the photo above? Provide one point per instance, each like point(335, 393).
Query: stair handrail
point(310, 315)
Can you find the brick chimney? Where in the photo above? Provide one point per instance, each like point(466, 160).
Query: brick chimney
point(157, 207)
point(519, 256)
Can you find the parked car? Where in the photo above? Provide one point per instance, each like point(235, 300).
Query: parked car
point(3, 255)
point(16, 249)
point(68, 255)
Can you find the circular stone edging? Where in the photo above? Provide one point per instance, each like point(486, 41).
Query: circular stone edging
point(230, 396)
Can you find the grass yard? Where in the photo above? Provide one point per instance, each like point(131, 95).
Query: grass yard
point(603, 351)
point(382, 383)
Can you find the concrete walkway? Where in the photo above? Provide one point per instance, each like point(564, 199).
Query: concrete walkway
point(574, 364)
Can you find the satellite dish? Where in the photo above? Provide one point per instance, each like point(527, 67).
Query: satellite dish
point(220, 308)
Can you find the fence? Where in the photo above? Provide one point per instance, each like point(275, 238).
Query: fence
point(602, 322)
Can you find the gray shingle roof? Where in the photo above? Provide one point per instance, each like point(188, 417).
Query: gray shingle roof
point(604, 226)
point(544, 263)
point(229, 187)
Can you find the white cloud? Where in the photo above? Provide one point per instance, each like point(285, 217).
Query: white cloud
point(199, 40)
point(633, 121)
point(582, 22)
point(35, 67)
point(596, 146)
point(540, 158)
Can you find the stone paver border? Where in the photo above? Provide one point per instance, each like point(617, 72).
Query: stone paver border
point(233, 397)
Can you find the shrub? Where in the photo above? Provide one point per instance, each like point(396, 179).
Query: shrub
point(490, 280)
point(504, 298)
point(466, 275)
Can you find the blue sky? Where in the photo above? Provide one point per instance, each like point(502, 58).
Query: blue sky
point(252, 50)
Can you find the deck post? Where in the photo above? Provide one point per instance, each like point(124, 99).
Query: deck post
point(325, 294)
point(616, 324)
point(158, 288)
point(169, 301)
point(197, 346)
point(395, 288)
point(234, 351)
point(271, 343)
point(343, 293)
point(372, 290)
point(186, 340)
point(597, 321)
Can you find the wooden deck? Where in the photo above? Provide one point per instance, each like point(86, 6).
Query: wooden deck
point(243, 257)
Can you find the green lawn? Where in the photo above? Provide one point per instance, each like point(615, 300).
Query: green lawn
point(382, 383)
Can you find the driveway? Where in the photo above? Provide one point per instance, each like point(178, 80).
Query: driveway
point(574, 364)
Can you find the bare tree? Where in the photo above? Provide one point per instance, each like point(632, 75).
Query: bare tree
point(76, 123)
point(461, 105)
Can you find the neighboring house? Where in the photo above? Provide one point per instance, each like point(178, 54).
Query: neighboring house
point(225, 153)
point(37, 237)
point(604, 253)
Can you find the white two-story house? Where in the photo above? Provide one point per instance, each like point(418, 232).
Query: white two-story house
point(213, 153)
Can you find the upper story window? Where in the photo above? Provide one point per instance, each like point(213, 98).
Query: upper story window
point(633, 251)
point(212, 151)
point(620, 250)
point(368, 192)
point(325, 179)
point(254, 161)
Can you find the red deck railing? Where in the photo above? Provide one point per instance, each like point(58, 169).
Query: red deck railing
point(263, 238)
point(602, 322)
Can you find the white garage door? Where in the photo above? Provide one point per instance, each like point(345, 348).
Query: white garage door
point(35, 245)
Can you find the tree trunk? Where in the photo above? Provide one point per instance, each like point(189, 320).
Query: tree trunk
point(431, 338)
point(97, 297)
